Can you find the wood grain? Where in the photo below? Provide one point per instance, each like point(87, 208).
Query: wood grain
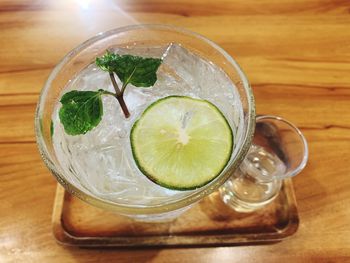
point(296, 54)
point(207, 222)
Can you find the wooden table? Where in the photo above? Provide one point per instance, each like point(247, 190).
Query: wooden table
point(296, 54)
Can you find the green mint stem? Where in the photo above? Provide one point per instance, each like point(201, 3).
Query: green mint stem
point(119, 95)
point(123, 105)
point(114, 82)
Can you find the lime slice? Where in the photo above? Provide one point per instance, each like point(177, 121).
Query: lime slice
point(181, 143)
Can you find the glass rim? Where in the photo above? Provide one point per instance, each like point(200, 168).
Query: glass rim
point(160, 208)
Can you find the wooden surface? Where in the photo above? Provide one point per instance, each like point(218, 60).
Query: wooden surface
point(296, 54)
point(208, 222)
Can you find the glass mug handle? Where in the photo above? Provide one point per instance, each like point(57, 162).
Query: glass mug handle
point(279, 151)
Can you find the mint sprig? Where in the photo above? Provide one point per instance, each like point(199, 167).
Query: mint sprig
point(81, 111)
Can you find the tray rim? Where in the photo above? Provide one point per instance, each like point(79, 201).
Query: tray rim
point(64, 237)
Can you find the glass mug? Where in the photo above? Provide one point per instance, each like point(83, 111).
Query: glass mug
point(142, 36)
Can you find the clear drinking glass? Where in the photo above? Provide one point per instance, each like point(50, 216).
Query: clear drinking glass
point(142, 36)
point(279, 151)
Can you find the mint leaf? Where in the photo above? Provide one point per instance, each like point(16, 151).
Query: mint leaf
point(139, 71)
point(81, 111)
point(107, 62)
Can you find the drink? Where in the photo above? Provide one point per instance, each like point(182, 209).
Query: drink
point(97, 163)
point(255, 182)
point(101, 161)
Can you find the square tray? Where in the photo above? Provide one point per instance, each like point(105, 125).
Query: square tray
point(209, 222)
